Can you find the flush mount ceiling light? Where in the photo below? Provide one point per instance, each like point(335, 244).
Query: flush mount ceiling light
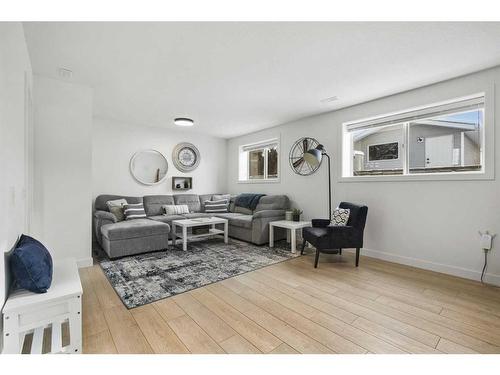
point(183, 121)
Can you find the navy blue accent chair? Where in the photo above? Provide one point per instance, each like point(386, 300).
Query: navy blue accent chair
point(332, 239)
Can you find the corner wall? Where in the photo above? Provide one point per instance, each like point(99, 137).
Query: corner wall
point(427, 224)
point(62, 181)
point(15, 84)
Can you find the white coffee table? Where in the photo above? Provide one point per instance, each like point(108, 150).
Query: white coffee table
point(190, 223)
point(293, 226)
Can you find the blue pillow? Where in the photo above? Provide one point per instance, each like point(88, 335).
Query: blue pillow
point(31, 265)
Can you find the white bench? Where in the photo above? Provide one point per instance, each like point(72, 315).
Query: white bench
point(27, 314)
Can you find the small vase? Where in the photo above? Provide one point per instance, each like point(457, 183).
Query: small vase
point(296, 217)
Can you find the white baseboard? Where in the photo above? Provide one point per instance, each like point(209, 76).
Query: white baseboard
point(85, 262)
point(432, 266)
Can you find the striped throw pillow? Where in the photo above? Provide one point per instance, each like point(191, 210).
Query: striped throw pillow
point(175, 209)
point(216, 206)
point(134, 211)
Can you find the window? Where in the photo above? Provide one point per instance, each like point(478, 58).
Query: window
point(259, 161)
point(445, 138)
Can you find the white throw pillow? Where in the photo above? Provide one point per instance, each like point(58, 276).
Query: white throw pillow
point(340, 216)
point(175, 209)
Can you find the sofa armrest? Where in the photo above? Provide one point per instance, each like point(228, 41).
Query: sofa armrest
point(101, 218)
point(269, 213)
point(105, 216)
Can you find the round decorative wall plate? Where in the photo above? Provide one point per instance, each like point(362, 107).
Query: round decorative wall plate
point(186, 157)
point(296, 157)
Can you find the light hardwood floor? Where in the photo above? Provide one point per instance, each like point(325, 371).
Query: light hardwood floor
point(291, 307)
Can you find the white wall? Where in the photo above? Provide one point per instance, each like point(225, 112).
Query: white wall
point(429, 224)
point(114, 143)
point(14, 67)
point(62, 181)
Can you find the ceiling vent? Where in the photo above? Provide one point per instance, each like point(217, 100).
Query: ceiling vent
point(65, 73)
point(329, 100)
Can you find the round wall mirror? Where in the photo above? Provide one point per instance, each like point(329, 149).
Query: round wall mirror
point(149, 167)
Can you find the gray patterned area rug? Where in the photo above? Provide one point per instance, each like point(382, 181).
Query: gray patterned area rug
point(145, 278)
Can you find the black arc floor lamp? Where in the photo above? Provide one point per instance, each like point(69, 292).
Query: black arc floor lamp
point(314, 157)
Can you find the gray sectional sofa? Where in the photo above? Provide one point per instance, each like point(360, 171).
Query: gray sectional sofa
point(122, 238)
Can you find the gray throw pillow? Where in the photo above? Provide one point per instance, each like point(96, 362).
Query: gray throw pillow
point(116, 208)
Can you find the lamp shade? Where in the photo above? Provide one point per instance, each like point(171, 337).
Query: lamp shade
point(314, 155)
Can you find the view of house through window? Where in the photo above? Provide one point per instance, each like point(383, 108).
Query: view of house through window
point(446, 143)
point(259, 161)
point(446, 138)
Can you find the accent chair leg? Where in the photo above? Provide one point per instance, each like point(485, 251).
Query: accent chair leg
point(303, 247)
point(316, 259)
point(357, 256)
point(340, 251)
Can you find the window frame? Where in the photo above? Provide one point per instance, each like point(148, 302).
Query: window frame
point(264, 145)
point(487, 145)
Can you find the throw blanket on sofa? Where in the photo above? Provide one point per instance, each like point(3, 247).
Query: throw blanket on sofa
point(248, 200)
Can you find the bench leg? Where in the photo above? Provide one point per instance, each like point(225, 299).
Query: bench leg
point(11, 339)
point(75, 325)
point(357, 256)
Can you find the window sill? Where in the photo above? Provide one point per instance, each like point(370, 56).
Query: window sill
point(275, 181)
point(455, 176)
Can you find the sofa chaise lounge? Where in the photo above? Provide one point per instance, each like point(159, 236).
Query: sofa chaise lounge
point(123, 238)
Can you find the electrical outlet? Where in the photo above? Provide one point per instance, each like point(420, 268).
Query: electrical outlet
point(486, 241)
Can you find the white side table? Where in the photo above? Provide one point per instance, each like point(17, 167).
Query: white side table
point(293, 226)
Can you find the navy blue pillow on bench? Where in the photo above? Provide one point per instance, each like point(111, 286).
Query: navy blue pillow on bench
point(31, 265)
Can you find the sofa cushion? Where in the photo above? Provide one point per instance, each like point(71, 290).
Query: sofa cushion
point(134, 229)
point(227, 215)
point(153, 203)
point(100, 201)
point(218, 197)
point(273, 202)
point(242, 221)
point(192, 200)
point(242, 210)
point(166, 218)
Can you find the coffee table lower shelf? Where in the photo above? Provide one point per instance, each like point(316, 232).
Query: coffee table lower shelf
point(191, 223)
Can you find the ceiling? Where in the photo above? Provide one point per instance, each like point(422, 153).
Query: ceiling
point(236, 78)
